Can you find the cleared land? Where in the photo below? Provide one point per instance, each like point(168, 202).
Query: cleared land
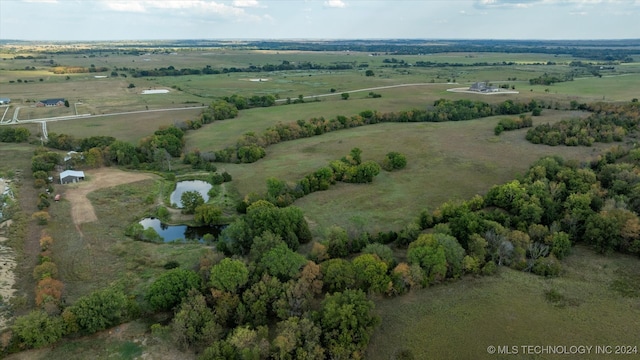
point(82, 210)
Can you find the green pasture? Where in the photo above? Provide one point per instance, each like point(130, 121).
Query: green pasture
point(97, 254)
point(446, 161)
point(623, 87)
point(126, 127)
point(459, 320)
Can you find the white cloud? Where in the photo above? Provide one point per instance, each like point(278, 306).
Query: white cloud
point(335, 3)
point(42, 1)
point(529, 3)
point(246, 3)
point(198, 5)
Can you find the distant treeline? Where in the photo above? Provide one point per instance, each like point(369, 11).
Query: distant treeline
point(208, 70)
point(602, 50)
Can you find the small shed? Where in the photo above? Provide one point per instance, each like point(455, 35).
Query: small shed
point(4, 101)
point(71, 176)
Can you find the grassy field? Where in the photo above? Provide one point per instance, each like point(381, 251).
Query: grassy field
point(446, 161)
point(96, 254)
point(461, 319)
point(453, 160)
point(126, 127)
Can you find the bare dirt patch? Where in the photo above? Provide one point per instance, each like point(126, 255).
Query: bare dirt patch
point(81, 208)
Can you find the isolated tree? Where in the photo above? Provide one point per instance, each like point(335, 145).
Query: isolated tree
point(345, 96)
point(369, 73)
point(394, 161)
point(190, 201)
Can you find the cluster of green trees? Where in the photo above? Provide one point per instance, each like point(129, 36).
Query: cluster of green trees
point(242, 103)
point(350, 169)
point(269, 307)
point(606, 123)
point(547, 79)
point(14, 134)
point(89, 314)
point(288, 223)
point(508, 124)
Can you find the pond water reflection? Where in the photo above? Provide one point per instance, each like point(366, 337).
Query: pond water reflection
point(200, 186)
point(176, 232)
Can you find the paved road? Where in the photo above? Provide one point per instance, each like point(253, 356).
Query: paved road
point(367, 89)
point(89, 116)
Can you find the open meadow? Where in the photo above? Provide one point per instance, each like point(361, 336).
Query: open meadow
point(462, 319)
point(445, 161)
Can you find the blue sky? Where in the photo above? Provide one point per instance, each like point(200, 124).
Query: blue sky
point(318, 19)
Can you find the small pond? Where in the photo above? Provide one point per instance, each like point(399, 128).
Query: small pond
point(200, 186)
point(176, 232)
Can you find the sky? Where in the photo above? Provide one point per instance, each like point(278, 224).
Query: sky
point(84, 20)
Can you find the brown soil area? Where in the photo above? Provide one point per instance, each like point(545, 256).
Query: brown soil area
point(81, 209)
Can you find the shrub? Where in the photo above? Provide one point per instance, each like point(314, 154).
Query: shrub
point(37, 329)
point(49, 291)
point(394, 161)
point(41, 217)
point(547, 266)
point(45, 270)
point(100, 310)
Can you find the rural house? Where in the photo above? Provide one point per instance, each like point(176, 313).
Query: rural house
point(50, 102)
point(71, 176)
point(482, 87)
point(4, 101)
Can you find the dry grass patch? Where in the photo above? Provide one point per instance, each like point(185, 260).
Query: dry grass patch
point(81, 208)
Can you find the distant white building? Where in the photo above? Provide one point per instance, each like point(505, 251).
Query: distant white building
point(71, 176)
point(4, 101)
